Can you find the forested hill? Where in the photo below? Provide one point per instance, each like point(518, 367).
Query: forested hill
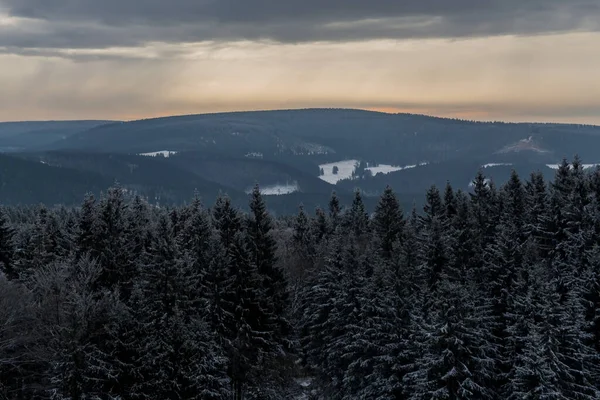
point(398, 139)
point(17, 136)
point(291, 154)
point(493, 294)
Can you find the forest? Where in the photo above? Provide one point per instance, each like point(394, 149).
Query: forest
point(488, 294)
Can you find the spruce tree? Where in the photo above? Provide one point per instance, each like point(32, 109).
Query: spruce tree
point(456, 355)
point(484, 208)
point(318, 307)
point(450, 202)
point(537, 209)
point(250, 337)
point(227, 220)
point(378, 344)
point(72, 316)
point(195, 235)
point(321, 225)
point(7, 247)
point(434, 206)
point(179, 357)
point(138, 240)
point(303, 248)
point(112, 219)
point(505, 275)
point(89, 228)
point(335, 210)
point(262, 247)
point(388, 221)
point(357, 219)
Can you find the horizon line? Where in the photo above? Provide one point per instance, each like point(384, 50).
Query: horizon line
point(368, 110)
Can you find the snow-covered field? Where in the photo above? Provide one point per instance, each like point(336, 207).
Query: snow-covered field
point(277, 190)
point(165, 153)
point(346, 168)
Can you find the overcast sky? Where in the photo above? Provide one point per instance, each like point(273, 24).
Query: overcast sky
point(509, 60)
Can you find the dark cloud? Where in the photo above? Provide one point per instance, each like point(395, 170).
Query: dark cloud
point(60, 24)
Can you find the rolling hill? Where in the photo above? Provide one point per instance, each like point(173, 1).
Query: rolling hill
point(285, 151)
point(334, 134)
point(25, 136)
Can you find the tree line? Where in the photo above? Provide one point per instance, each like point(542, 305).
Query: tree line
point(490, 294)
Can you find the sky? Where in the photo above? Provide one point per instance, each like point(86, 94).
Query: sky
point(510, 60)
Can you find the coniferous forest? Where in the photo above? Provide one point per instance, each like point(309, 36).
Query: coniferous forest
point(491, 294)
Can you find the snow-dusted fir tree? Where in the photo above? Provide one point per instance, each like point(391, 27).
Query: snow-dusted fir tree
point(179, 356)
point(335, 211)
point(303, 247)
point(318, 306)
point(450, 202)
point(343, 325)
point(227, 220)
point(453, 355)
point(73, 319)
point(320, 225)
point(7, 249)
point(503, 273)
point(112, 219)
point(378, 344)
point(356, 220)
point(388, 222)
point(262, 247)
point(250, 339)
point(196, 232)
point(138, 240)
point(87, 234)
point(484, 209)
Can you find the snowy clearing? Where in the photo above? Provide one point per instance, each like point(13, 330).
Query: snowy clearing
point(277, 190)
point(347, 167)
point(164, 153)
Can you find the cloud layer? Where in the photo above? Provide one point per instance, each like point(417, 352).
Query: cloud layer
point(542, 78)
point(31, 25)
point(126, 59)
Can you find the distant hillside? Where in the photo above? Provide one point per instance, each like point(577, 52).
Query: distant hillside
point(459, 173)
point(291, 154)
point(334, 134)
point(64, 178)
point(29, 182)
point(23, 136)
point(154, 178)
point(242, 173)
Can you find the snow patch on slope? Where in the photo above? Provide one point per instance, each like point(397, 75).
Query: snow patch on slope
point(495, 165)
point(164, 153)
point(347, 167)
point(278, 189)
point(385, 169)
point(585, 166)
point(528, 144)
